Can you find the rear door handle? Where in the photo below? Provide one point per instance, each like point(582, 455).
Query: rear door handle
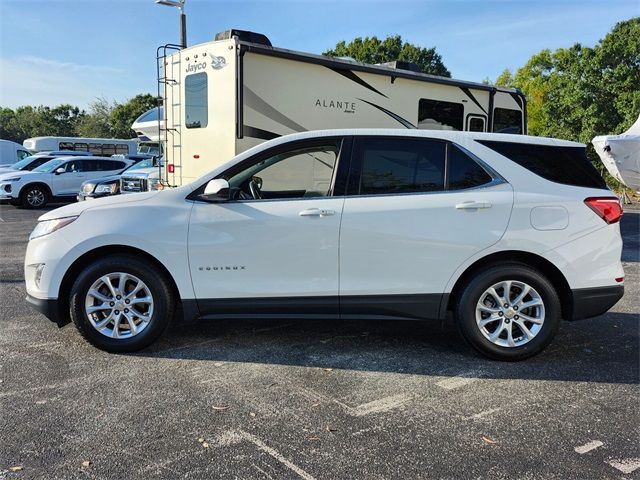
point(316, 212)
point(472, 205)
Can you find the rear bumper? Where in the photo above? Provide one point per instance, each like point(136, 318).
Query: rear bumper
point(591, 302)
point(49, 307)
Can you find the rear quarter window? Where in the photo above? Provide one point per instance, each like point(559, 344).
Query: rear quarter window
point(566, 165)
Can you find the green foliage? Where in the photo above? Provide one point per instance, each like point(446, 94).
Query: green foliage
point(123, 115)
point(104, 120)
point(96, 123)
point(579, 92)
point(372, 50)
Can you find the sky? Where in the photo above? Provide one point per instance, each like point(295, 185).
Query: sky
point(74, 51)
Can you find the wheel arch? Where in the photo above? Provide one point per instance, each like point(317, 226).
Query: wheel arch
point(100, 252)
point(544, 266)
point(40, 183)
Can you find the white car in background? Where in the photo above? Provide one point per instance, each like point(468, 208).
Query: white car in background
point(57, 179)
point(510, 233)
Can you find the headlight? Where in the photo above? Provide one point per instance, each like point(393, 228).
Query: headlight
point(106, 188)
point(13, 179)
point(88, 187)
point(49, 226)
point(155, 184)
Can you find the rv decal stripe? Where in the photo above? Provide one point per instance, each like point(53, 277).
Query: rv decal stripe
point(254, 101)
point(516, 98)
point(353, 77)
point(472, 97)
point(395, 116)
point(258, 133)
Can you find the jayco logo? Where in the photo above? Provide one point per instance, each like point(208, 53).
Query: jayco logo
point(344, 105)
point(216, 63)
point(196, 67)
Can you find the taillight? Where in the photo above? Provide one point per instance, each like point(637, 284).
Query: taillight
point(170, 167)
point(607, 208)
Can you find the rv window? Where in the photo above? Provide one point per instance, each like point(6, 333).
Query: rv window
point(476, 124)
point(82, 147)
point(196, 106)
point(65, 146)
point(464, 171)
point(122, 149)
point(95, 148)
point(439, 115)
point(108, 149)
point(400, 165)
point(506, 120)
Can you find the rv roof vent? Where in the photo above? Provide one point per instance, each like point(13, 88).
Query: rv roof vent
point(401, 65)
point(244, 36)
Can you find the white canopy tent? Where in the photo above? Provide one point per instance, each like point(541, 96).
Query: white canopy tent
point(621, 155)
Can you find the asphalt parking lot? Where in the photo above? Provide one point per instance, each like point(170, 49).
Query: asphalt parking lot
point(314, 399)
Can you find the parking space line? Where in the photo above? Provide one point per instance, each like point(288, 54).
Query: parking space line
point(628, 465)
point(459, 380)
point(382, 405)
point(482, 414)
point(231, 437)
point(588, 447)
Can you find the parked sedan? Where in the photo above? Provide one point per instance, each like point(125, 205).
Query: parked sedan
point(107, 186)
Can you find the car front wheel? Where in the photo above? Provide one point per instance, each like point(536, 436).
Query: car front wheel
point(120, 304)
point(34, 196)
point(508, 312)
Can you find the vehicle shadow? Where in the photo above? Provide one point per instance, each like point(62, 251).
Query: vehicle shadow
point(603, 349)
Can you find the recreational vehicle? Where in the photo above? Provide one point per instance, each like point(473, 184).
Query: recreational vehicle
point(96, 146)
point(223, 97)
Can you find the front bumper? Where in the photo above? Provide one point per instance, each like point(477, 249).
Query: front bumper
point(49, 307)
point(591, 302)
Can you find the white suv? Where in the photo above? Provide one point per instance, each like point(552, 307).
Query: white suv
point(59, 178)
point(510, 233)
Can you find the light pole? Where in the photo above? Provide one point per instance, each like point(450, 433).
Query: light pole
point(183, 18)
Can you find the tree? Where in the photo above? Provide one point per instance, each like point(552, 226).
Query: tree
point(373, 50)
point(579, 92)
point(96, 122)
point(123, 115)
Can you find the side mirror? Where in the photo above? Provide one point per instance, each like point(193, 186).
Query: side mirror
point(60, 170)
point(217, 190)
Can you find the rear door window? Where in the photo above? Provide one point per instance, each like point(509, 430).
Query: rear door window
point(397, 165)
point(566, 165)
point(463, 171)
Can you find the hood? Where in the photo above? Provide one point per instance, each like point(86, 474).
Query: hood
point(97, 181)
point(77, 208)
point(141, 172)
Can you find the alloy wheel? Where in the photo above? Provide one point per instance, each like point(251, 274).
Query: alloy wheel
point(119, 305)
point(510, 313)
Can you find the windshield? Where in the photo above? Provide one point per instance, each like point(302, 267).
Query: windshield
point(147, 163)
point(48, 167)
point(23, 163)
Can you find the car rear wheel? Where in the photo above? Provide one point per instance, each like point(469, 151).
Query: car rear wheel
point(120, 304)
point(34, 196)
point(508, 312)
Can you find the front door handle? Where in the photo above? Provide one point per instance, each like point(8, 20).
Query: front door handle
point(472, 205)
point(317, 212)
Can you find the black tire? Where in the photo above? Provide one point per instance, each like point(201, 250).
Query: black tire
point(158, 285)
point(34, 196)
point(465, 311)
